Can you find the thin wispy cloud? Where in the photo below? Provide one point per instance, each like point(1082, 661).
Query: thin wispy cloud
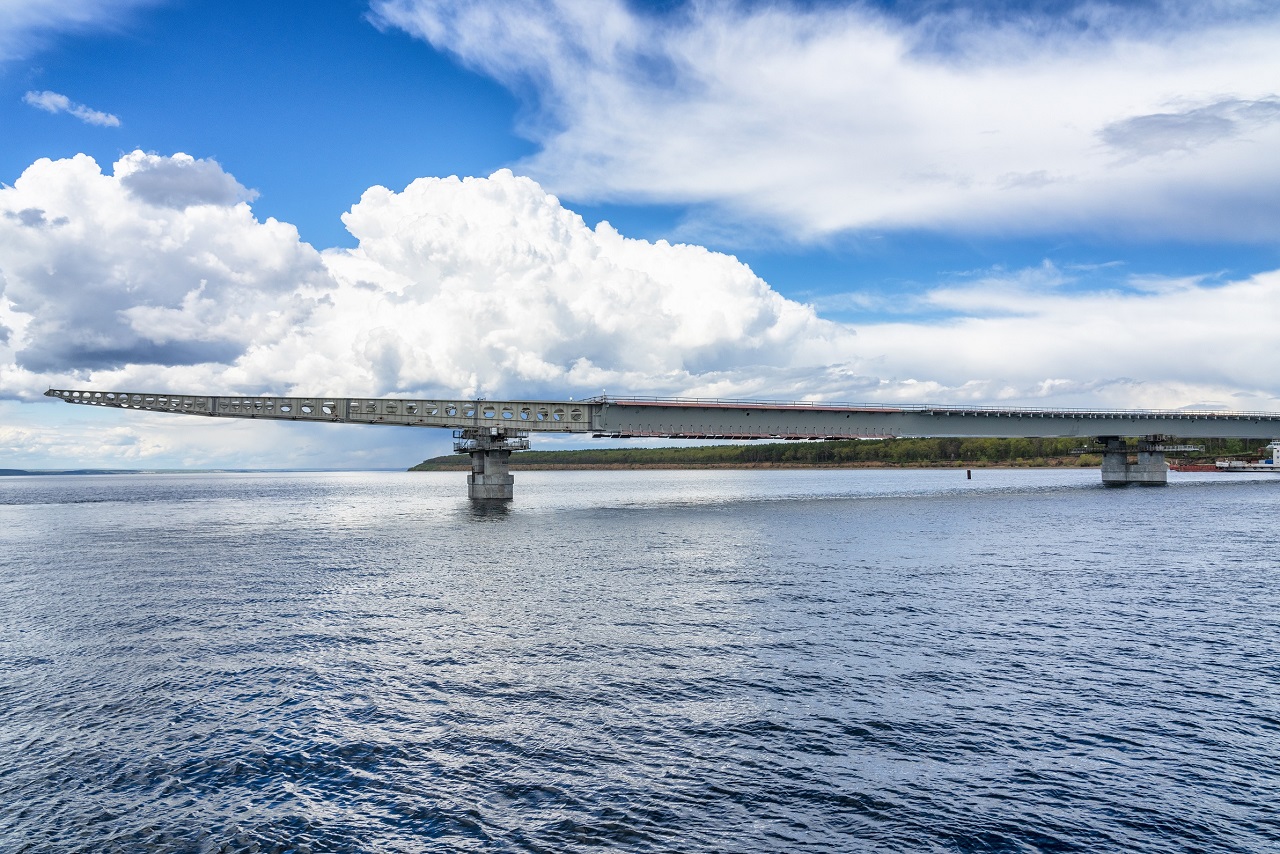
point(1154, 120)
point(54, 102)
point(26, 26)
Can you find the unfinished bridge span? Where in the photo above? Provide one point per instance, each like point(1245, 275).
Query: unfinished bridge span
point(490, 430)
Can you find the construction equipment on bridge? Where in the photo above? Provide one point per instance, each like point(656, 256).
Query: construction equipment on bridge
point(489, 430)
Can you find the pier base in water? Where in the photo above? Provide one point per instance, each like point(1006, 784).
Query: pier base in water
point(1150, 468)
point(489, 477)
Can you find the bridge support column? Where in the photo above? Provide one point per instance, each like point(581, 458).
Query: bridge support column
point(489, 477)
point(1149, 470)
point(490, 450)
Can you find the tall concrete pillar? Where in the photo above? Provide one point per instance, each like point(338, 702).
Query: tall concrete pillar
point(1149, 470)
point(490, 477)
point(490, 449)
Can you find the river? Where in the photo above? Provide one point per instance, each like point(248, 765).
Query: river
point(645, 660)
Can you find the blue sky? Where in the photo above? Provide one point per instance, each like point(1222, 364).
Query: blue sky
point(307, 102)
point(310, 103)
point(929, 198)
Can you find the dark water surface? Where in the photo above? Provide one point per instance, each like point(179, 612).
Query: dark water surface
point(649, 661)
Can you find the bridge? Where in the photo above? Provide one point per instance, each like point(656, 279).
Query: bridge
point(490, 430)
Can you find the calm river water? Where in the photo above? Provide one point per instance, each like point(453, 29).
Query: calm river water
point(647, 661)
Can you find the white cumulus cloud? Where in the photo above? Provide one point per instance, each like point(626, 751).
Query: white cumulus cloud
point(179, 181)
point(489, 285)
point(457, 286)
point(1160, 119)
point(95, 278)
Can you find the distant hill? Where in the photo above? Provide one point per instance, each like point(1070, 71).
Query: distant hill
point(854, 453)
point(846, 454)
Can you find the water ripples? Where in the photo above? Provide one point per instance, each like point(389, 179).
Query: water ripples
point(724, 661)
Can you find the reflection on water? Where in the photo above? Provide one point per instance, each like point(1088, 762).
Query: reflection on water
point(490, 508)
point(665, 660)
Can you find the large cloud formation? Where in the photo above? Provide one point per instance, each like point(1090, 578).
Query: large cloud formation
point(1162, 118)
point(490, 284)
point(158, 275)
point(143, 267)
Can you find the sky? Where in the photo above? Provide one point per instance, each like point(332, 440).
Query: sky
point(1043, 203)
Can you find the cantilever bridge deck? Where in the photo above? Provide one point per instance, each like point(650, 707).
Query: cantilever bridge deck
point(489, 430)
point(691, 418)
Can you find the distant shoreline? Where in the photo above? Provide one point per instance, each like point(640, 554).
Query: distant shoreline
point(464, 466)
point(931, 453)
point(91, 472)
point(55, 473)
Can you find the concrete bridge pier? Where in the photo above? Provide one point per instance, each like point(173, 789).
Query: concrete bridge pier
point(490, 449)
point(1149, 470)
point(489, 477)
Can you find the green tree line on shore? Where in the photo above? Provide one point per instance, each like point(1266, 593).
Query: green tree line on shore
point(899, 452)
